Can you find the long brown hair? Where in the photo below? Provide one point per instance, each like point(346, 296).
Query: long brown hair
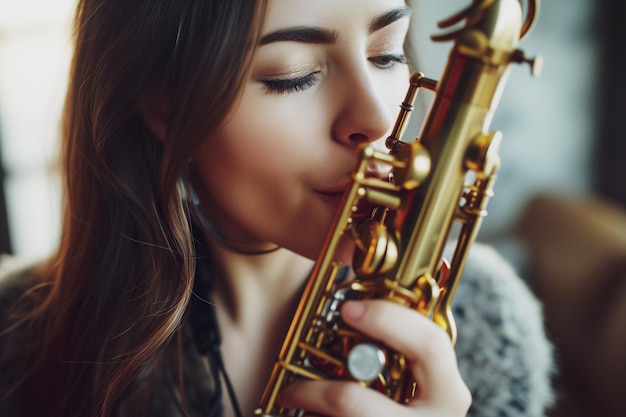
point(119, 285)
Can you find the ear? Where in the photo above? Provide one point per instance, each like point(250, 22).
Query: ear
point(157, 121)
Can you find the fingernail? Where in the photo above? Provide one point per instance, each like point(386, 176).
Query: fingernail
point(353, 310)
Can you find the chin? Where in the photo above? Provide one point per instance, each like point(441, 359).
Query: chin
point(310, 240)
point(342, 254)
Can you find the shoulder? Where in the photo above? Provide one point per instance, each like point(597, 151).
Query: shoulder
point(504, 354)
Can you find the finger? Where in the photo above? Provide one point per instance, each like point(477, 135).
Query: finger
point(338, 398)
point(426, 346)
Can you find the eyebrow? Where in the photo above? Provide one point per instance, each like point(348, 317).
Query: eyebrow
point(304, 34)
point(388, 18)
point(308, 34)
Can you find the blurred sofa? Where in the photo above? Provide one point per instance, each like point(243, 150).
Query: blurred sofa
point(576, 258)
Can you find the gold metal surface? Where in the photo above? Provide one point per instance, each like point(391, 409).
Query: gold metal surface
point(443, 178)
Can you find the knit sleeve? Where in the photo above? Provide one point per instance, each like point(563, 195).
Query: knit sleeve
point(504, 355)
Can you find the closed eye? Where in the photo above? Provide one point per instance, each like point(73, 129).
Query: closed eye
point(388, 61)
point(290, 85)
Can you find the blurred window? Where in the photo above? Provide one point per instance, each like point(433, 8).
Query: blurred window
point(35, 50)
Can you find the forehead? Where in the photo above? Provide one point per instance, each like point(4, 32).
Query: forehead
point(337, 14)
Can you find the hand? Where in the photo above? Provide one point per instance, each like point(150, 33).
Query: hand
point(432, 360)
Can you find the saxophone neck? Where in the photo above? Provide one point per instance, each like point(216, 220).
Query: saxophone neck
point(491, 32)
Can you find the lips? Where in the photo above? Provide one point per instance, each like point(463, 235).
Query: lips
point(334, 197)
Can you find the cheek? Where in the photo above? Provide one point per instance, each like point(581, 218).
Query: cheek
point(284, 131)
point(255, 142)
point(257, 170)
point(239, 167)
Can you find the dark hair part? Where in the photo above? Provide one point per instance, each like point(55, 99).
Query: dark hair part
point(120, 283)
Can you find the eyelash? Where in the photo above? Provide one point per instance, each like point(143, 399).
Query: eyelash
point(388, 61)
point(290, 85)
point(293, 85)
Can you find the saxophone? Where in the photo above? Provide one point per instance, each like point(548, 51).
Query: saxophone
point(442, 179)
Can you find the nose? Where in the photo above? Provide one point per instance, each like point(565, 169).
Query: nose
point(363, 115)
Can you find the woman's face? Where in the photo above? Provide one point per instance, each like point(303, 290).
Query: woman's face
point(329, 75)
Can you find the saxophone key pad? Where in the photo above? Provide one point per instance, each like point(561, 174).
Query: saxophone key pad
point(365, 362)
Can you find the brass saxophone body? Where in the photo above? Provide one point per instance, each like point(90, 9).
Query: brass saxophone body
point(444, 178)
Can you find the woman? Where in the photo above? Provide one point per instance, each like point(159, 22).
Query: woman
point(223, 132)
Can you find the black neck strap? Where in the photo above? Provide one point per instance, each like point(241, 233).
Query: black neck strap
point(205, 327)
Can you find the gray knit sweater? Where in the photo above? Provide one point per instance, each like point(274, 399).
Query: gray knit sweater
point(502, 349)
